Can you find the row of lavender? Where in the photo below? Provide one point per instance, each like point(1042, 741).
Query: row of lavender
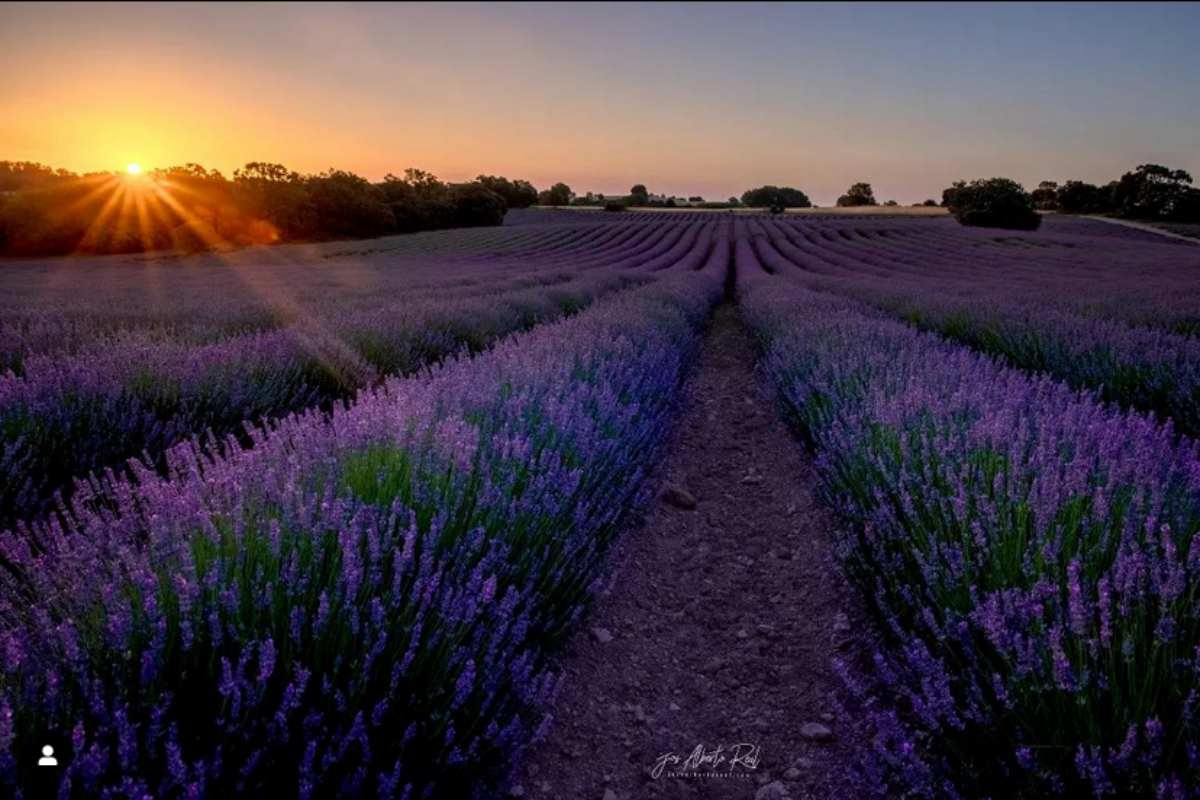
point(1031, 553)
point(359, 604)
point(1138, 367)
point(1085, 267)
point(64, 306)
point(67, 416)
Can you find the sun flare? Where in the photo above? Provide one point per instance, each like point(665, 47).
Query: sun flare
point(134, 169)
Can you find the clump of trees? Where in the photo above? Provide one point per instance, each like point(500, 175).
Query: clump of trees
point(1079, 197)
point(992, 203)
point(517, 194)
point(1149, 192)
point(772, 197)
point(639, 197)
point(53, 212)
point(1045, 197)
point(1153, 191)
point(859, 194)
point(420, 202)
point(16, 176)
point(557, 195)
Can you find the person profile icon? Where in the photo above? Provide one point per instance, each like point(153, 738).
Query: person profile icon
point(47, 759)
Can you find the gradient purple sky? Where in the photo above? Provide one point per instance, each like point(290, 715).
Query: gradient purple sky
point(703, 99)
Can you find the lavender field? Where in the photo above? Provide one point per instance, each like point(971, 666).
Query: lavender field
point(325, 518)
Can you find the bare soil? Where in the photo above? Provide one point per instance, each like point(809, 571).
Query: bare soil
point(719, 623)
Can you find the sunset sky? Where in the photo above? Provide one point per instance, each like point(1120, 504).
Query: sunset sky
point(689, 99)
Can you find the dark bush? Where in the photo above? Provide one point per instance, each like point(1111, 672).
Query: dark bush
point(613, 205)
point(348, 205)
point(1045, 197)
point(1077, 197)
point(516, 194)
point(278, 196)
point(477, 206)
point(891, 203)
point(995, 203)
point(557, 195)
point(950, 194)
point(1187, 207)
point(859, 194)
point(423, 214)
point(770, 196)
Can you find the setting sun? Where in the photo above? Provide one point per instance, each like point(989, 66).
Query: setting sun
point(134, 169)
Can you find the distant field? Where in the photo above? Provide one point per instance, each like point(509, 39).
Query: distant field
point(900, 211)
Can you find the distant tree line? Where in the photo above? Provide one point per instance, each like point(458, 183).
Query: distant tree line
point(53, 212)
point(1150, 192)
point(517, 194)
point(16, 176)
point(639, 197)
point(46, 211)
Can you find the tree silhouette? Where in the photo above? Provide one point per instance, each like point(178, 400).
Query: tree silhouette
point(557, 195)
point(994, 203)
point(859, 194)
point(780, 196)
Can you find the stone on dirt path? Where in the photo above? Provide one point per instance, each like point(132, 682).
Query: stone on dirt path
point(675, 495)
point(816, 732)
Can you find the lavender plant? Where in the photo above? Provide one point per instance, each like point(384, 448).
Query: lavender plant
point(1138, 367)
point(363, 604)
point(1030, 552)
point(65, 417)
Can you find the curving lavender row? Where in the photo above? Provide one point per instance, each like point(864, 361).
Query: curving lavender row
point(1138, 367)
point(62, 307)
point(66, 416)
point(1031, 553)
point(1078, 266)
point(358, 604)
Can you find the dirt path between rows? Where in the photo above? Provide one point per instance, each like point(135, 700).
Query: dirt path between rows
point(719, 623)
